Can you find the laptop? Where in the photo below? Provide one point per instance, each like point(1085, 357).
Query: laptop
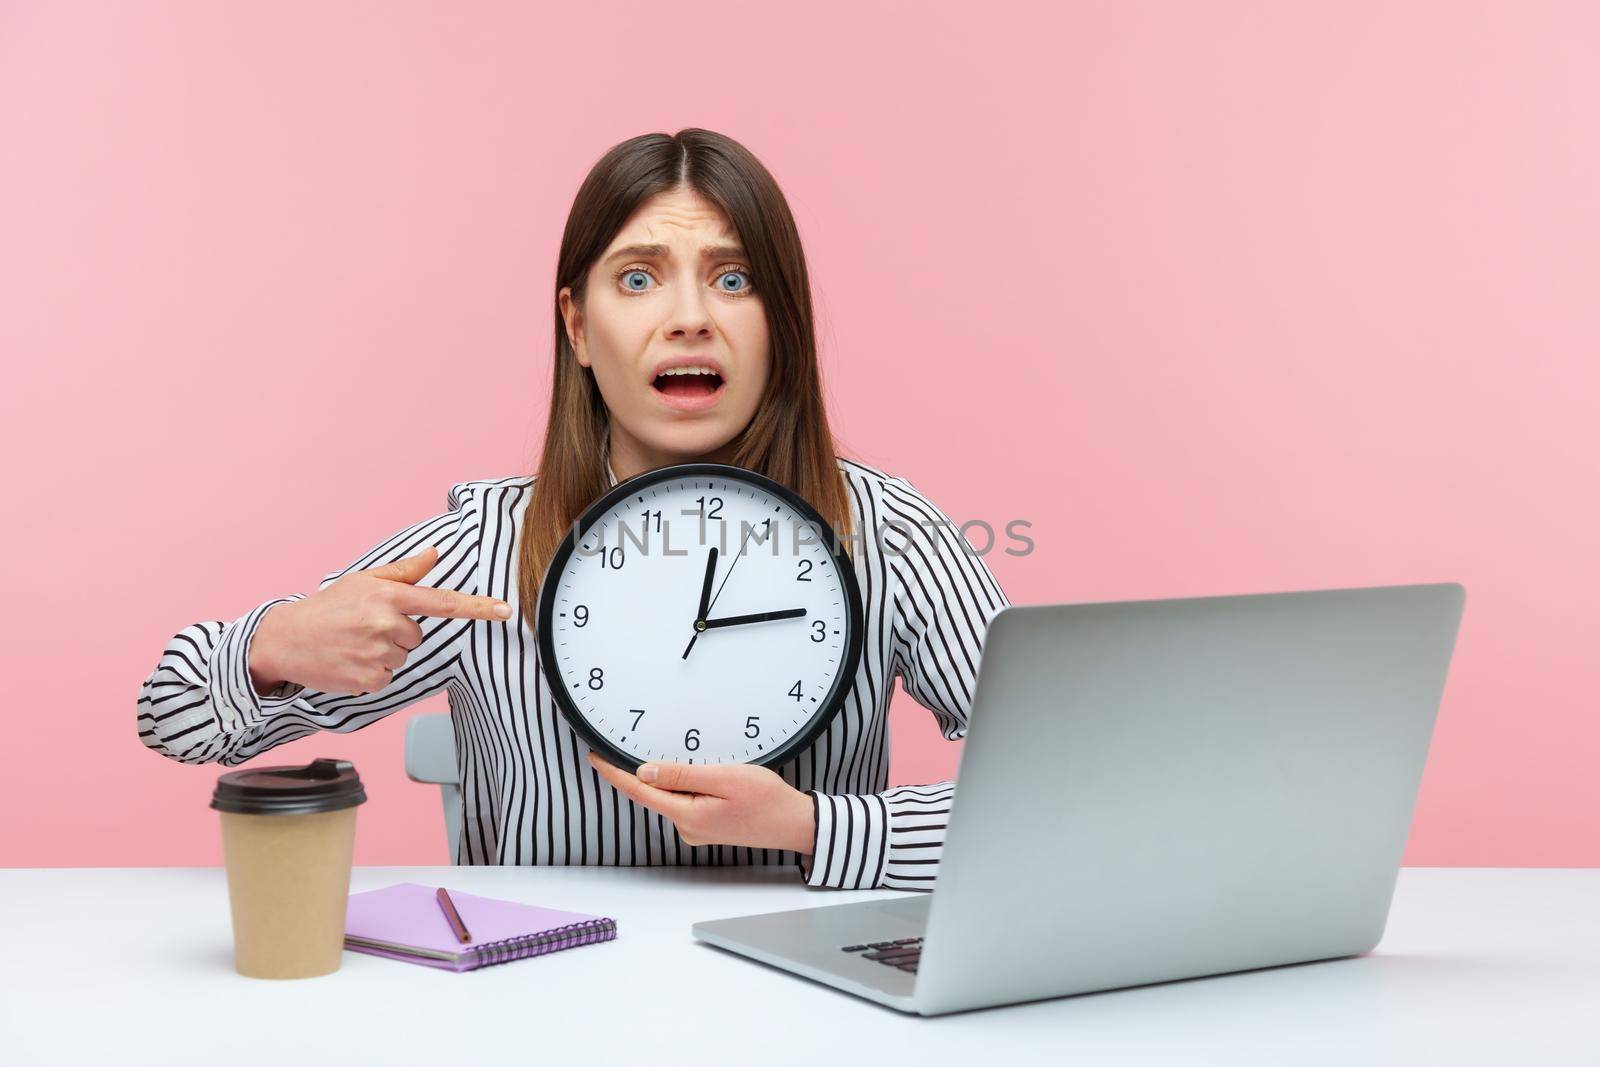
point(1154, 790)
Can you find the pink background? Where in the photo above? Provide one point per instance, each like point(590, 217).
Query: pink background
point(1221, 297)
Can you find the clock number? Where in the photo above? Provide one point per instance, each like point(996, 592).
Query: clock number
point(750, 727)
point(615, 557)
point(637, 713)
point(714, 511)
point(691, 740)
point(597, 678)
point(819, 630)
point(580, 615)
point(805, 571)
point(645, 527)
point(795, 692)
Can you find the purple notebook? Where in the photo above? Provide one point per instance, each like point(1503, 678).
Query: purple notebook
point(405, 922)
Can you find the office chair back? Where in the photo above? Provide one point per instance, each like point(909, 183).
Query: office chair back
point(431, 758)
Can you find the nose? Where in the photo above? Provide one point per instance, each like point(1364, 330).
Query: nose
point(689, 314)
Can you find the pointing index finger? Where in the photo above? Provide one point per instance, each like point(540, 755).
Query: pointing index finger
point(449, 604)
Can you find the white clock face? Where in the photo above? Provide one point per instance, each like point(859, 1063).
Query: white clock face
point(645, 675)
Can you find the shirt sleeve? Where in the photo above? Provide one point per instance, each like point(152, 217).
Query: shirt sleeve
point(944, 598)
point(199, 704)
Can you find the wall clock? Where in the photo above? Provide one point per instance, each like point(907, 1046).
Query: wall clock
point(699, 613)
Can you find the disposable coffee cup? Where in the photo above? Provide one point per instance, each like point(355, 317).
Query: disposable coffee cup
point(288, 838)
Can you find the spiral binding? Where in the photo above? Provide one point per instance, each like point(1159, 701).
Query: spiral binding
point(587, 932)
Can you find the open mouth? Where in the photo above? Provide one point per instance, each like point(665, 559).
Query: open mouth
point(687, 382)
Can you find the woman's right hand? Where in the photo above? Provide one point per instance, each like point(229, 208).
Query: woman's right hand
point(352, 635)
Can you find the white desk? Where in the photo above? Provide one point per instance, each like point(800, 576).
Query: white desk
point(1478, 966)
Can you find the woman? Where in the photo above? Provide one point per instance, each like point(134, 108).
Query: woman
point(679, 253)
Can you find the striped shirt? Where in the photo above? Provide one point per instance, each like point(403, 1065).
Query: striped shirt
point(529, 795)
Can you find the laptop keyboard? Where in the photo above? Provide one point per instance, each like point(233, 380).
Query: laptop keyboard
point(903, 953)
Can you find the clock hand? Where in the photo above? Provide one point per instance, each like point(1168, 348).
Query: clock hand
point(729, 573)
point(705, 590)
point(705, 595)
point(760, 616)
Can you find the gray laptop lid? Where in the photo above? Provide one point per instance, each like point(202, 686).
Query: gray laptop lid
point(1230, 785)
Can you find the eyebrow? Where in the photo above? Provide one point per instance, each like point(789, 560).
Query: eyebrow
point(662, 252)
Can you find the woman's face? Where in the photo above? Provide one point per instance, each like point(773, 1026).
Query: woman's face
point(673, 291)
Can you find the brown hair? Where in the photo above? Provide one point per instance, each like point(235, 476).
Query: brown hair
point(787, 439)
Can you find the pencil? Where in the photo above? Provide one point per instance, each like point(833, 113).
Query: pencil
point(449, 907)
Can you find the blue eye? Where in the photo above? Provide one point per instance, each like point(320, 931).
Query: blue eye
point(627, 279)
point(727, 274)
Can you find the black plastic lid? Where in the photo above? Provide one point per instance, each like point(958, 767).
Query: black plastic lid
point(321, 785)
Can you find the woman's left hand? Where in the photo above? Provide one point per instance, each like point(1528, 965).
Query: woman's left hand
point(721, 804)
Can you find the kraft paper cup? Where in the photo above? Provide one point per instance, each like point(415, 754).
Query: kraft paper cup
point(288, 838)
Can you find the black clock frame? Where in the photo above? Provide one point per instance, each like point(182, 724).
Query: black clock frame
point(827, 708)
